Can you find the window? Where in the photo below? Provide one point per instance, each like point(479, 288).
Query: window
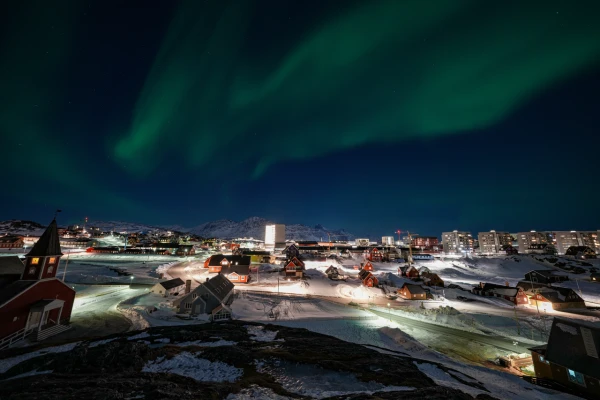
point(194, 296)
point(31, 270)
point(50, 269)
point(188, 306)
point(35, 260)
point(575, 377)
point(542, 359)
point(52, 260)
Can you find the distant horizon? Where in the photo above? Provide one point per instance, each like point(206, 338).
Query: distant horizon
point(332, 229)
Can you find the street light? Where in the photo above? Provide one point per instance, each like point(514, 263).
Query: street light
point(389, 312)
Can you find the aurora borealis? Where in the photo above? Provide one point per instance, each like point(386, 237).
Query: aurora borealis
point(447, 114)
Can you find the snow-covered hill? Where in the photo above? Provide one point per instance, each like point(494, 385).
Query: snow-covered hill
point(255, 227)
point(21, 227)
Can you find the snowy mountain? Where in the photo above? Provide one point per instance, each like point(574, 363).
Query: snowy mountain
point(255, 227)
point(21, 227)
point(225, 229)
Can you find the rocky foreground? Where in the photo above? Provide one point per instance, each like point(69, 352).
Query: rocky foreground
point(234, 360)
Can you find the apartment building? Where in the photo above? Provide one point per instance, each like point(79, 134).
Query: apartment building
point(525, 240)
point(565, 239)
point(456, 242)
point(492, 242)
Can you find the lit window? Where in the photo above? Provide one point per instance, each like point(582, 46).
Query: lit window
point(35, 260)
point(52, 260)
point(576, 377)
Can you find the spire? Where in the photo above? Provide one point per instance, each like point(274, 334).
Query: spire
point(49, 243)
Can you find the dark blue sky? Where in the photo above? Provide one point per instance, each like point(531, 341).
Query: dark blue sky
point(369, 117)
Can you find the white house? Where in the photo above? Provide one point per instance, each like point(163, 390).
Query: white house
point(168, 288)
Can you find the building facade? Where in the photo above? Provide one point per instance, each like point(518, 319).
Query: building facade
point(457, 242)
point(387, 241)
point(565, 239)
point(530, 240)
point(493, 242)
point(274, 236)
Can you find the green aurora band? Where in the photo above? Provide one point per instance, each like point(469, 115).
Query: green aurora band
point(384, 71)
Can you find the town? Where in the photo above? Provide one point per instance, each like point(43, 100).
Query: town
point(501, 300)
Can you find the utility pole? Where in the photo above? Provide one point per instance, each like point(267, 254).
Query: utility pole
point(517, 321)
point(66, 264)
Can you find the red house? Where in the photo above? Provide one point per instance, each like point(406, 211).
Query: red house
point(294, 268)
point(368, 266)
point(375, 255)
point(368, 279)
point(237, 273)
point(409, 272)
point(36, 302)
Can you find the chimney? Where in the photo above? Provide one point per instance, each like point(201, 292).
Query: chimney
point(188, 286)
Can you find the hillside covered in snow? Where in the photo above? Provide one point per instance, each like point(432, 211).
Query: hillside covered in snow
point(255, 227)
point(21, 227)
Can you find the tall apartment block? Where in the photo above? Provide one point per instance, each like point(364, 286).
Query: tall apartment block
point(456, 242)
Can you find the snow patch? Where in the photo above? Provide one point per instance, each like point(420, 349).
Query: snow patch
point(200, 369)
point(259, 334)
point(100, 342)
point(8, 363)
point(218, 343)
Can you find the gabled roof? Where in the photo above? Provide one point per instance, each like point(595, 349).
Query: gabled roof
point(238, 269)
point(11, 266)
point(10, 291)
point(543, 272)
point(413, 289)
point(558, 295)
point(219, 286)
point(239, 260)
point(172, 283)
point(575, 346)
point(215, 260)
point(48, 244)
point(363, 274)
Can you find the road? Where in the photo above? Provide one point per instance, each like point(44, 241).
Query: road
point(489, 340)
point(95, 312)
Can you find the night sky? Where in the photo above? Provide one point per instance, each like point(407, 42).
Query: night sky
point(366, 115)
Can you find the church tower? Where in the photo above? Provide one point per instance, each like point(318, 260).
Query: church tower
point(42, 261)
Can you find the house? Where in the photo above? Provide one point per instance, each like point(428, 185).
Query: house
point(332, 273)
point(570, 357)
point(37, 303)
point(515, 295)
point(205, 298)
point(169, 288)
point(257, 256)
point(368, 266)
point(368, 279)
point(103, 249)
point(217, 262)
point(291, 251)
point(185, 250)
point(432, 279)
point(11, 269)
point(408, 271)
point(11, 242)
point(595, 277)
point(581, 252)
point(556, 298)
point(510, 250)
point(374, 254)
point(294, 268)
point(165, 248)
point(412, 292)
point(237, 273)
point(545, 276)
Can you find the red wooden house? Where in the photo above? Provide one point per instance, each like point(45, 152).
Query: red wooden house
point(409, 272)
point(375, 255)
point(412, 292)
point(368, 266)
point(515, 295)
point(237, 273)
point(368, 279)
point(294, 268)
point(36, 302)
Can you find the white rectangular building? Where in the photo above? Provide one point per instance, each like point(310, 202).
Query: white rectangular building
point(275, 236)
point(526, 239)
point(565, 239)
point(387, 240)
point(457, 242)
